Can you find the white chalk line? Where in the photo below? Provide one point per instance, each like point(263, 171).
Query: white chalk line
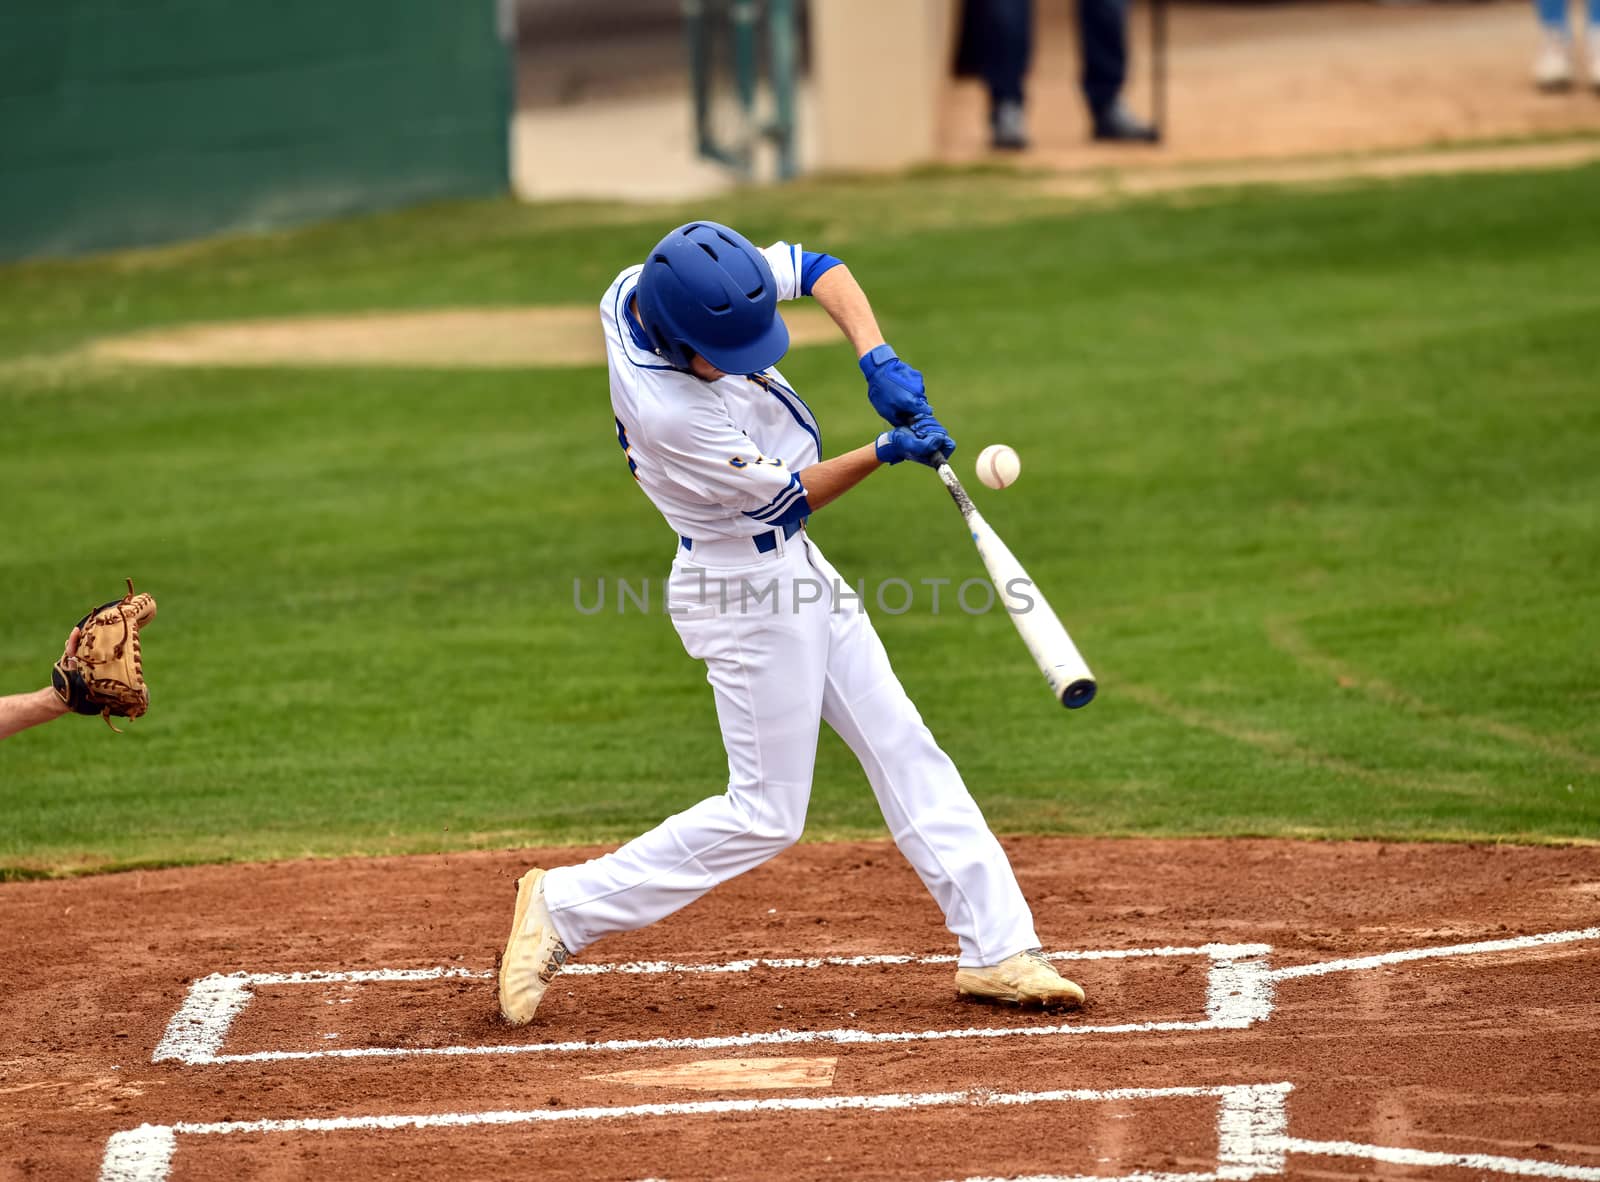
point(143, 1154)
point(881, 1102)
point(1236, 995)
point(1519, 1166)
point(1240, 992)
point(196, 1032)
point(650, 967)
point(1355, 964)
point(1482, 1162)
point(846, 1037)
point(1250, 1121)
point(1252, 1136)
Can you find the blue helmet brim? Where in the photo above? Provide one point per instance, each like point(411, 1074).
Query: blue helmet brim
point(762, 353)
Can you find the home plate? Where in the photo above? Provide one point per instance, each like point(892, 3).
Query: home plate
point(729, 1075)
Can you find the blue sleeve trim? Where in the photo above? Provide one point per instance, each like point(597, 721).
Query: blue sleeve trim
point(813, 267)
point(796, 512)
point(771, 514)
point(780, 502)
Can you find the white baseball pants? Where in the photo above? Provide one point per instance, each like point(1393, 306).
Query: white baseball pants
point(782, 653)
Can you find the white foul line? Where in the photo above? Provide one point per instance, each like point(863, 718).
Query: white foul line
point(1513, 944)
point(1237, 994)
point(1519, 1166)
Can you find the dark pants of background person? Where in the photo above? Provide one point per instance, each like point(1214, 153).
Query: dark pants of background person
point(1007, 34)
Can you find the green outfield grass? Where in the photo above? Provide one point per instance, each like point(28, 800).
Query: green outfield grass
point(1313, 477)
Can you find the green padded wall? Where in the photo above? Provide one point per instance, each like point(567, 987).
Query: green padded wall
point(139, 121)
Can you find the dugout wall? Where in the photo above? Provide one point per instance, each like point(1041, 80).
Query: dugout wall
point(126, 122)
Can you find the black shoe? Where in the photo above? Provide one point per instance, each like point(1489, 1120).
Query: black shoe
point(1119, 125)
point(1008, 127)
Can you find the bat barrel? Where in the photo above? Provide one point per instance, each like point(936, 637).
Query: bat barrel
point(1038, 625)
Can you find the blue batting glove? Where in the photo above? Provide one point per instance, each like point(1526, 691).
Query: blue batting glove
point(924, 442)
point(932, 430)
point(926, 424)
point(895, 390)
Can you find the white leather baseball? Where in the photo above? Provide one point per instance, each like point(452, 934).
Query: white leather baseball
point(998, 465)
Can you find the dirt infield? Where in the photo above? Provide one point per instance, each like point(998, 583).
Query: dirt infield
point(446, 338)
point(1228, 1029)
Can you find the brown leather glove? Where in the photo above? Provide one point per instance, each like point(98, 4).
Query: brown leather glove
point(106, 677)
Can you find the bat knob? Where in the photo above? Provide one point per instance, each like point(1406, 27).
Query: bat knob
point(1079, 694)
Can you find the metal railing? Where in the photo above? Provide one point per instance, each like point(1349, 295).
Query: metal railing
point(754, 45)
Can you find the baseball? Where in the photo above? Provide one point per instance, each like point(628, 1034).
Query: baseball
point(998, 465)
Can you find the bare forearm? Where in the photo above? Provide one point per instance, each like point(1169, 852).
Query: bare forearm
point(842, 298)
point(829, 480)
point(20, 711)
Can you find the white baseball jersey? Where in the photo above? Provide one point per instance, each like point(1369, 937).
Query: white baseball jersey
point(718, 459)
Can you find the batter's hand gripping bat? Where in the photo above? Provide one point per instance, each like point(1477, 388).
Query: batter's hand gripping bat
point(1053, 651)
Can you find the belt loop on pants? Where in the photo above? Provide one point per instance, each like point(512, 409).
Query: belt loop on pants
point(771, 541)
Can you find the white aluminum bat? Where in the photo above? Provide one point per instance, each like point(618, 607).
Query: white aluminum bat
point(1053, 651)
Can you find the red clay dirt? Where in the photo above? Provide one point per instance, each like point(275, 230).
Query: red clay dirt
point(1494, 1053)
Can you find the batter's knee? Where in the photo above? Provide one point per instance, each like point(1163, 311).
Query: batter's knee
point(773, 818)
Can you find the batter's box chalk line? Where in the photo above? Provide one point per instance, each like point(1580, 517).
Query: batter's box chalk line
point(1251, 1123)
point(1240, 991)
point(1238, 994)
point(1252, 1131)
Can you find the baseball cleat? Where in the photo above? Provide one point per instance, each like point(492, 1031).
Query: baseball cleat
point(534, 953)
point(1026, 979)
point(1552, 68)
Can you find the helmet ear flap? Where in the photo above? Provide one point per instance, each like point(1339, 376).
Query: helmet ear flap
point(658, 328)
point(672, 352)
point(707, 290)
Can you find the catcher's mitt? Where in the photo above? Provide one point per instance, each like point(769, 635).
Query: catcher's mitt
point(106, 676)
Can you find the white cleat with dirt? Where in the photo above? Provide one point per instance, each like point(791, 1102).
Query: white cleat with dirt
point(534, 953)
point(1026, 979)
point(1552, 68)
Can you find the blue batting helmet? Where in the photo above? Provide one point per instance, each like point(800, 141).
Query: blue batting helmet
point(705, 289)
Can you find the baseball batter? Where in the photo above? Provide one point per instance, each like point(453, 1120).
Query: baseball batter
point(732, 457)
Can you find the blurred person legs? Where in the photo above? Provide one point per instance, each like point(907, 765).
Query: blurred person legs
point(1592, 43)
point(1552, 66)
point(1006, 33)
point(1103, 42)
